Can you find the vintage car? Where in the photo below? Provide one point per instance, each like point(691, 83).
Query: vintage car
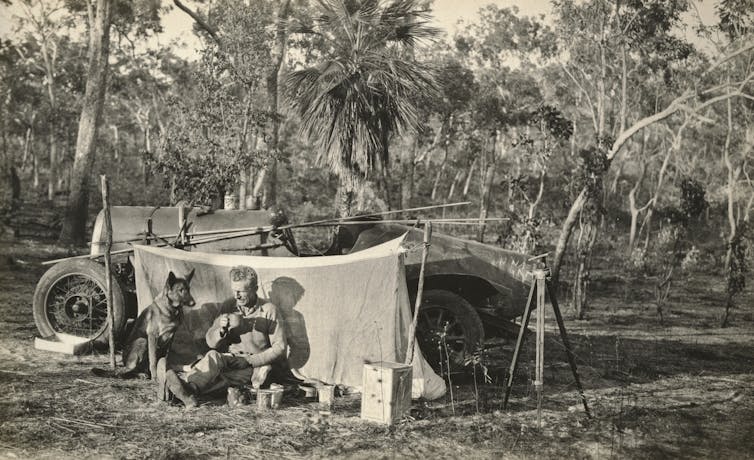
point(471, 290)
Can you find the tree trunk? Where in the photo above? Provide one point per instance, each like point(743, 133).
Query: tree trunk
point(25, 157)
point(8, 162)
point(53, 162)
point(74, 223)
point(257, 177)
point(50, 80)
point(269, 198)
point(243, 184)
point(116, 149)
point(34, 168)
point(585, 246)
point(346, 195)
point(243, 147)
point(268, 176)
point(447, 126)
point(408, 167)
point(438, 176)
point(488, 179)
point(634, 209)
point(458, 177)
point(385, 185)
point(30, 146)
point(652, 203)
point(565, 235)
point(529, 237)
point(732, 223)
point(469, 175)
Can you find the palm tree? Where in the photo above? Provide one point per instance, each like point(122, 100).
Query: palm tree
point(364, 88)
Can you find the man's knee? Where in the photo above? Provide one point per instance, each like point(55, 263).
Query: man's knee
point(212, 362)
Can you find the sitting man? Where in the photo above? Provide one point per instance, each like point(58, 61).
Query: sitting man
point(244, 344)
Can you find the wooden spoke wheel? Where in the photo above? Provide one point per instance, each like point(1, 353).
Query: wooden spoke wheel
point(448, 330)
point(70, 300)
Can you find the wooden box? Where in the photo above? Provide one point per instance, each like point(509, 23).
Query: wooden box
point(386, 392)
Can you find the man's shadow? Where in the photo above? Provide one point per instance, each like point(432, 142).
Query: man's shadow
point(285, 293)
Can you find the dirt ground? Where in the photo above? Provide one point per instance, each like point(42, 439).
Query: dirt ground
point(682, 389)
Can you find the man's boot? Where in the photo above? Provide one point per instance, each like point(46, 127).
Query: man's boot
point(181, 390)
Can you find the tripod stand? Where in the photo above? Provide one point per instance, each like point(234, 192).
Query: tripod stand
point(540, 285)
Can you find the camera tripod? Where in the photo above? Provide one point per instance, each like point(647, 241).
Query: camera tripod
point(541, 284)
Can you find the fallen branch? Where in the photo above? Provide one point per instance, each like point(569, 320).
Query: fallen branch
point(59, 426)
point(15, 373)
point(84, 422)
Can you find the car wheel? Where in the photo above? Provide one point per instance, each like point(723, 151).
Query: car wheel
point(448, 331)
point(70, 300)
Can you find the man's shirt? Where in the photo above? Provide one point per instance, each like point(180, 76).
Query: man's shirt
point(260, 337)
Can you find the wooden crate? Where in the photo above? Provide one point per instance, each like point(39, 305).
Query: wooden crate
point(386, 392)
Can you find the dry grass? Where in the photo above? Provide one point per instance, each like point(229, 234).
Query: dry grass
point(682, 390)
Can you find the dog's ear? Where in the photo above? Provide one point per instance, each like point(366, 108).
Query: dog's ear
point(171, 280)
point(190, 275)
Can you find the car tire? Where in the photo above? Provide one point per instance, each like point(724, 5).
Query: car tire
point(70, 300)
point(447, 349)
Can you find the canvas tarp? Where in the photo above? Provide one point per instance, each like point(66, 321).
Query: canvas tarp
point(339, 311)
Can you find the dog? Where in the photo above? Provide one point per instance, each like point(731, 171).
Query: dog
point(153, 331)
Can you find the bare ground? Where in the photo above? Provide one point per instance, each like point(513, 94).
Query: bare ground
point(682, 389)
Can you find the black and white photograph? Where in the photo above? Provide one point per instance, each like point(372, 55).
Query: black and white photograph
point(376, 229)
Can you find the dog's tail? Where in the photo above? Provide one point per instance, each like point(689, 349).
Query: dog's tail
point(106, 373)
point(113, 374)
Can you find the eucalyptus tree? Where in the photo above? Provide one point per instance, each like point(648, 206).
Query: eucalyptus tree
point(447, 113)
point(203, 147)
point(736, 26)
point(253, 36)
point(441, 129)
point(47, 22)
point(140, 16)
point(22, 101)
point(362, 89)
point(602, 40)
point(506, 50)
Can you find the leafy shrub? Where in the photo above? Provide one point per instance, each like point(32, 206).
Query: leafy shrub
point(637, 261)
point(692, 260)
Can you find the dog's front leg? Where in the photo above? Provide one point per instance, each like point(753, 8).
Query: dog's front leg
point(152, 350)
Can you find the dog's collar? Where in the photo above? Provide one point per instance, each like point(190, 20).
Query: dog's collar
point(176, 309)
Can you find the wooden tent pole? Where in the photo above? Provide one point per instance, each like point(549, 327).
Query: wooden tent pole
point(419, 291)
point(108, 273)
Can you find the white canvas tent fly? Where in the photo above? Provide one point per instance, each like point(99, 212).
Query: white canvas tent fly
point(339, 311)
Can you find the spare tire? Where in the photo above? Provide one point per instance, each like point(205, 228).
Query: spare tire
point(448, 331)
point(70, 300)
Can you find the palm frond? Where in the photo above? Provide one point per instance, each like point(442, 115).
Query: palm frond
point(363, 91)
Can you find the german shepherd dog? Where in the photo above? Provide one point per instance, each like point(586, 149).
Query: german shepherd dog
point(153, 330)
